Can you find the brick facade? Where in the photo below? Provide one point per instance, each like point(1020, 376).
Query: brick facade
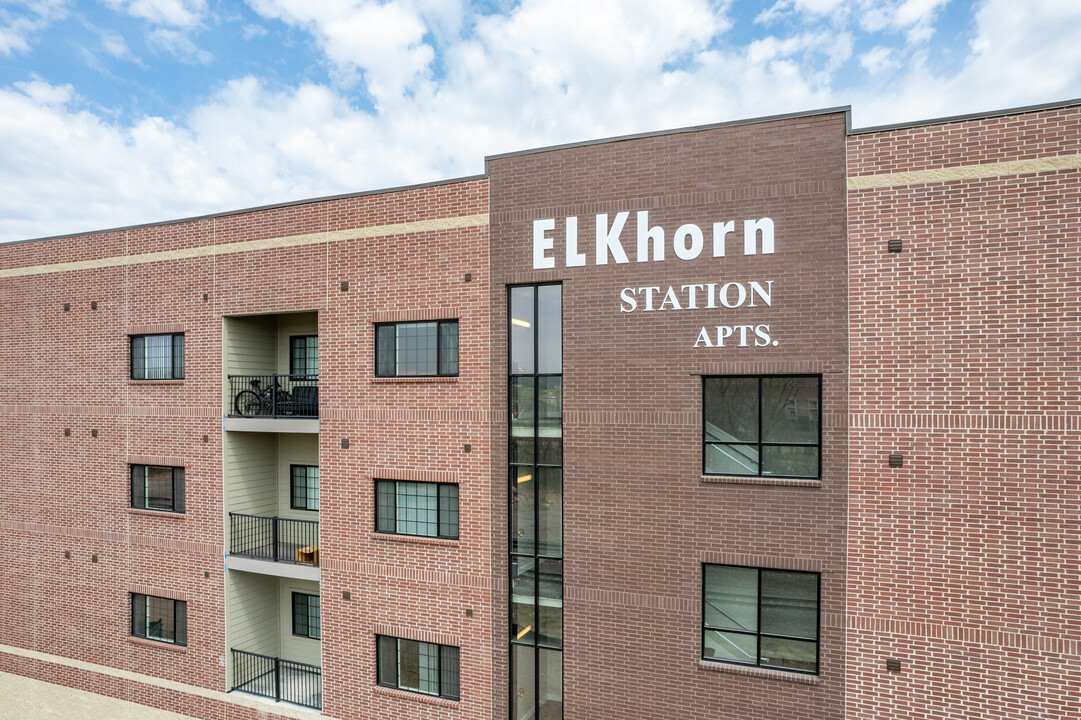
point(640, 518)
point(965, 351)
point(960, 353)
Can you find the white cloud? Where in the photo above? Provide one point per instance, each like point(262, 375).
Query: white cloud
point(781, 8)
point(253, 31)
point(171, 13)
point(384, 41)
point(879, 59)
point(179, 44)
point(914, 18)
point(114, 44)
point(1020, 54)
point(20, 20)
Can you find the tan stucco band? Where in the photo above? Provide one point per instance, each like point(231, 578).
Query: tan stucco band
point(418, 226)
point(966, 172)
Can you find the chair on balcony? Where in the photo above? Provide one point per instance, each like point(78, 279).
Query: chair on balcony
point(305, 401)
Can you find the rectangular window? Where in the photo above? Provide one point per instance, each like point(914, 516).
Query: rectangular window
point(765, 426)
point(157, 357)
point(418, 666)
point(416, 349)
point(416, 508)
point(304, 355)
point(304, 487)
point(161, 619)
point(536, 500)
point(755, 616)
point(154, 487)
point(306, 615)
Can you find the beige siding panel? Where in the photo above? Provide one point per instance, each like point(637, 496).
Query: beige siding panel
point(253, 623)
point(299, 649)
point(291, 324)
point(295, 449)
point(251, 484)
point(249, 349)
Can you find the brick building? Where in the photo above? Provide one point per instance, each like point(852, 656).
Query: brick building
point(767, 419)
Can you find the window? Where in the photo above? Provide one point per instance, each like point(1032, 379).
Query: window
point(535, 314)
point(766, 426)
point(155, 487)
point(416, 508)
point(304, 487)
point(306, 615)
point(161, 619)
point(753, 616)
point(416, 349)
point(304, 355)
point(157, 357)
point(418, 666)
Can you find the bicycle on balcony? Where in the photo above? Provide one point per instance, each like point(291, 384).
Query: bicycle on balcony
point(262, 400)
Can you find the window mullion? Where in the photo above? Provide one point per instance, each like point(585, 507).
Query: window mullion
point(758, 623)
point(438, 347)
point(439, 668)
point(761, 440)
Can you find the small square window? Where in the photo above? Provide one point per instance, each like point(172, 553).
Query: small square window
point(157, 487)
point(420, 667)
point(306, 619)
point(416, 508)
point(161, 619)
point(416, 349)
point(766, 426)
point(762, 617)
point(304, 487)
point(157, 357)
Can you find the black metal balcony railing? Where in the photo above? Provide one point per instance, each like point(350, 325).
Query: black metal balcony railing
point(274, 396)
point(273, 538)
point(284, 680)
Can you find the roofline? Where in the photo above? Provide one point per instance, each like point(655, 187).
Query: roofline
point(969, 116)
point(257, 208)
point(846, 109)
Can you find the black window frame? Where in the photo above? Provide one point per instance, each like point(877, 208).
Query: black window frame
point(293, 488)
point(759, 443)
point(140, 618)
point(758, 633)
point(137, 474)
point(440, 520)
point(293, 370)
point(302, 605)
point(439, 359)
point(534, 647)
point(450, 679)
point(176, 355)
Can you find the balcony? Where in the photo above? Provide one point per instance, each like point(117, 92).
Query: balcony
point(277, 679)
point(271, 373)
point(275, 539)
point(275, 396)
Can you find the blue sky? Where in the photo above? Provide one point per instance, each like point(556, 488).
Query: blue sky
point(116, 112)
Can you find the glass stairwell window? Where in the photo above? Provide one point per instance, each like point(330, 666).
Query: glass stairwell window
point(535, 396)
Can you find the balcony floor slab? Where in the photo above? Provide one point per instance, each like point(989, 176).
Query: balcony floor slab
point(270, 425)
point(269, 567)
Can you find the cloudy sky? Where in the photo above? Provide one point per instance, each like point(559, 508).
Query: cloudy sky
point(116, 112)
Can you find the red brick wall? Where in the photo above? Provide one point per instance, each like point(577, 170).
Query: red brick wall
point(965, 351)
point(639, 518)
point(70, 370)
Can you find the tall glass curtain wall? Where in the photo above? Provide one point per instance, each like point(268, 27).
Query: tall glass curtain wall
point(536, 502)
